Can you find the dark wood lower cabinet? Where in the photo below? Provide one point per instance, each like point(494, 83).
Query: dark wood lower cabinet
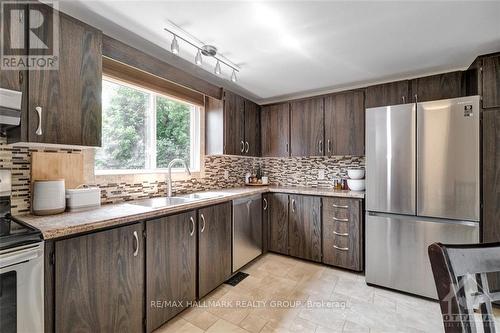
point(99, 281)
point(170, 267)
point(304, 227)
point(214, 247)
point(278, 222)
point(343, 233)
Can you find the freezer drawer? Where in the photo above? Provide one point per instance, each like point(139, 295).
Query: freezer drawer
point(448, 158)
point(390, 159)
point(396, 249)
point(247, 230)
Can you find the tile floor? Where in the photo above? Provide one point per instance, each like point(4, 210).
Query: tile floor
point(285, 295)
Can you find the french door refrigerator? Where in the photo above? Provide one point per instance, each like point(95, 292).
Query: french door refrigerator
point(422, 186)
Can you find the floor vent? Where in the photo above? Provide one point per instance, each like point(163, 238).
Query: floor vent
point(236, 278)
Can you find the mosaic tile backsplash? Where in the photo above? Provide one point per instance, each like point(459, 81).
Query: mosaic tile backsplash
point(291, 171)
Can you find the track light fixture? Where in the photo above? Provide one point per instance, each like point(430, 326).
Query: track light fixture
point(204, 50)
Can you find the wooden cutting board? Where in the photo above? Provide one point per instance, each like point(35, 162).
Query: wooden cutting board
point(53, 166)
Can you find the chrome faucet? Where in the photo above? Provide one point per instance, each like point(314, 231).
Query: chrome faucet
point(169, 176)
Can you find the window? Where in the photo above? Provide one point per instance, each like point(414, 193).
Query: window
point(145, 130)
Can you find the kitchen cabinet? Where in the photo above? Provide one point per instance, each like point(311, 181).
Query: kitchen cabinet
point(307, 127)
point(99, 281)
point(440, 86)
point(343, 233)
point(64, 105)
point(275, 130)
point(252, 129)
point(232, 126)
point(170, 266)
point(277, 207)
point(214, 247)
point(345, 124)
point(491, 81)
point(304, 227)
point(391, 93)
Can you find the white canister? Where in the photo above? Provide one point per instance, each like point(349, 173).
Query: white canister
point(49, 197)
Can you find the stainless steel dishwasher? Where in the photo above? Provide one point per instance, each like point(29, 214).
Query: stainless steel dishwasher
point(247, 230)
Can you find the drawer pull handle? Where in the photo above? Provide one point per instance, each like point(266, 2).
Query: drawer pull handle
point(340, 233)
point(340, 206)
point(341, 248)
point(340, 220)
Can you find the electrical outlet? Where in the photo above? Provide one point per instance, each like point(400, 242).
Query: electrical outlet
point(321, 174)
point(226, 174)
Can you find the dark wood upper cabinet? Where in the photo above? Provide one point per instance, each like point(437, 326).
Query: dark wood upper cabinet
point(304, 227)
point(307, 127)
point(252, 129)
point(277, 207)
point(491, 81)
point(99, 281)
point(345, 124)
point(64, 105)
point(214, 247)
point(234, 124)
point(391, 93)
point(170, 265)
point(440, 86)
point(343, 233)
point(275, 130)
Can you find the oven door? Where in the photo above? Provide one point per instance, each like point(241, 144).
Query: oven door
point(21, 289)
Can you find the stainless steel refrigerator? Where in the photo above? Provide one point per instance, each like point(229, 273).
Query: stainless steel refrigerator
point(422, 186)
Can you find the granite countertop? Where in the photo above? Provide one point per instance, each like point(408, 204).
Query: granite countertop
point(70, 223)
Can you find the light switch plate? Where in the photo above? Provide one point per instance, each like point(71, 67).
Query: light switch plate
point(321, 174)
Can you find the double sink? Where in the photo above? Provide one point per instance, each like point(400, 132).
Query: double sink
point(163, 202)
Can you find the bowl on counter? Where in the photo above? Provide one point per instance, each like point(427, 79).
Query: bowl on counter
point(356, 184)
point(356, 173)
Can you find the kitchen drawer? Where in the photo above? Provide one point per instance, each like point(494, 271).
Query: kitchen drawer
point(343, 233)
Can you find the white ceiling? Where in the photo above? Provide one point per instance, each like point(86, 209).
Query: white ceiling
point(297, 48)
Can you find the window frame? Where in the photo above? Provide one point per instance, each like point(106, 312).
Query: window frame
point(151, 149)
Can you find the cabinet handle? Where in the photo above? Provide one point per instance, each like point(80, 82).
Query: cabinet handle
point(21, 77)
point(339, 206)
point(329, 146)
point(320, 146)
point(416, 98)
point(248, 147)
point(202, 220)
point(136, 244)
point(287, 147)
point(38, 110)
point(341, 248)
point(242, 146)
point(192, 225)
point(265, 204)
point(293, 205)
point(340, 233)
point(340, 220)
point(404, 99)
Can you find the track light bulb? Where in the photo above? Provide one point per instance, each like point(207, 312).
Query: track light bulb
point(217, 70)
point(198, 60)
point(174, 47)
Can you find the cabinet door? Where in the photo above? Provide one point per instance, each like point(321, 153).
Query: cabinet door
point(304, 227)
point(392, 93)
point(234, 124)
point(441, 86)
point(252, 129)
point(69, 99)
point(99, 281)
point(278, 222)
point(275, 130)
point(345, 124)
point(170, 266)
point(307, 127)
point(214, 247)
point(343, 233)
point(491, 81)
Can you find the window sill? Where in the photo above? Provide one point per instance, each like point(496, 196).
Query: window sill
point(175, 171)
point(136, 176)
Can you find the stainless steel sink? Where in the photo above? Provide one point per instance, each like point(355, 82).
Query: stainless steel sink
point(162, 202)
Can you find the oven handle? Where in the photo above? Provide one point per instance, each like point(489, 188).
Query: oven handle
point(16, 257)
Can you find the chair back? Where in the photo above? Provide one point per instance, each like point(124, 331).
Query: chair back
point(461, 273)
